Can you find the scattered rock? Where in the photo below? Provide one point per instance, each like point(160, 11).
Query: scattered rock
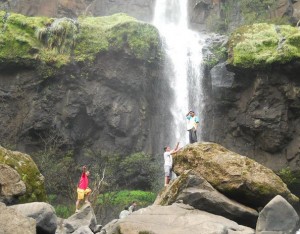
point(85, 217)
point(278, 216)
point(177, 218)
point(12, 222)
point(42, 213)
point(194, 190)
point(83, 230)
point(11, 185)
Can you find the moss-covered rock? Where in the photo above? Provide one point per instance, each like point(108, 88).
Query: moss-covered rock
point(29, 173)
point(261, 45)
point(48, 43)
point(236, 176)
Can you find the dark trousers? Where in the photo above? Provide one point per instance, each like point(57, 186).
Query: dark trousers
point(193, 136)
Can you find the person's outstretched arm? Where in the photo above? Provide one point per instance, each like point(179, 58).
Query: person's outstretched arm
point(176, 147)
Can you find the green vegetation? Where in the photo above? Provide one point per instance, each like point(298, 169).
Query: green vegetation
point(125, 197)
point(261, 45)
point(291, 178)
point(53, 43)
point(29, 173)
point(218, 53)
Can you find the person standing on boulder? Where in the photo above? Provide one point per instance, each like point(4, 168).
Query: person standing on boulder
point(192, 124)
point(169, 162)
point(83, 189)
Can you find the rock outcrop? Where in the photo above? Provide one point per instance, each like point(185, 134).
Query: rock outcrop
point(91, 84)
point(236, 176)
point(20, 178)
point(12, 222)
point(256, 94)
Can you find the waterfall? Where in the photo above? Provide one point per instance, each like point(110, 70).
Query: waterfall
point(183, 48)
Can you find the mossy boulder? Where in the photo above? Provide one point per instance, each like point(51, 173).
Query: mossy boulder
point(236, 176)
point(48, 43)
point(29, 173)
point(261, 45)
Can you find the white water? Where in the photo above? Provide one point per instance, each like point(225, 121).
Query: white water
point(184, 50)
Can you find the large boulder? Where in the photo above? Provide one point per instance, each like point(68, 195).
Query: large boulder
point(278, 216)
point(84, 218)
point(42, 213)
point(234, 175)
point(12, 222)
point(194, 190)
point(28, 173)
point(174, 219)
point(11, 185)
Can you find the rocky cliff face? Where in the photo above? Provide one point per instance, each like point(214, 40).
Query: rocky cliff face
point(256, 93)
point(73, 96)
point(214, 15)
point(141, 9)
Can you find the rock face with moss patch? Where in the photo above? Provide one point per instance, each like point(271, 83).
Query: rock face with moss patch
point(261, 45)
point(29, 182)
point(91, 84)
point(236, 176)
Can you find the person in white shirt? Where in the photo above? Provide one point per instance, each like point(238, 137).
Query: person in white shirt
point(169, 162)
point(192, 124)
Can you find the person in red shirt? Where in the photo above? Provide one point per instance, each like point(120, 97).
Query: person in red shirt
point(83, 189)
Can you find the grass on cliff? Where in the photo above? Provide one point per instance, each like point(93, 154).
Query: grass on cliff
point(261, 45)
point(55, 42)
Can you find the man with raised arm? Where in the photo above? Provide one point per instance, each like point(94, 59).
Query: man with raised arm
point(83, 189)
point(169, 162)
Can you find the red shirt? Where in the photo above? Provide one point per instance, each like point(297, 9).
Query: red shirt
point(84, 181)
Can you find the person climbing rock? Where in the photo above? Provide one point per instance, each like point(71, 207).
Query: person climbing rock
point(192, 124)
point(169, 162)
point(83, 190)
point(132, 207)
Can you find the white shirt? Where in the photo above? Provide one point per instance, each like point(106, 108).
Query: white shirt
point(168, 159)
point(192, 122)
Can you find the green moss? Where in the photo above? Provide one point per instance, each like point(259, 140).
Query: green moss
point(48, 44)
point(261, 45)
point(218, 53)
point(29, 173)
point(140, 39)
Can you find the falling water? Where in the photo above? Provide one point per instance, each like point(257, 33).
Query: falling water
point(184, 51)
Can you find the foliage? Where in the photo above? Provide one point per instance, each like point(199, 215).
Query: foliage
point(125, 197)
point(136, 171)
point(260, 45)
point(60, 35)
point(287, 176)
point(64, 211)
point(110, 204)
point(217, 53)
